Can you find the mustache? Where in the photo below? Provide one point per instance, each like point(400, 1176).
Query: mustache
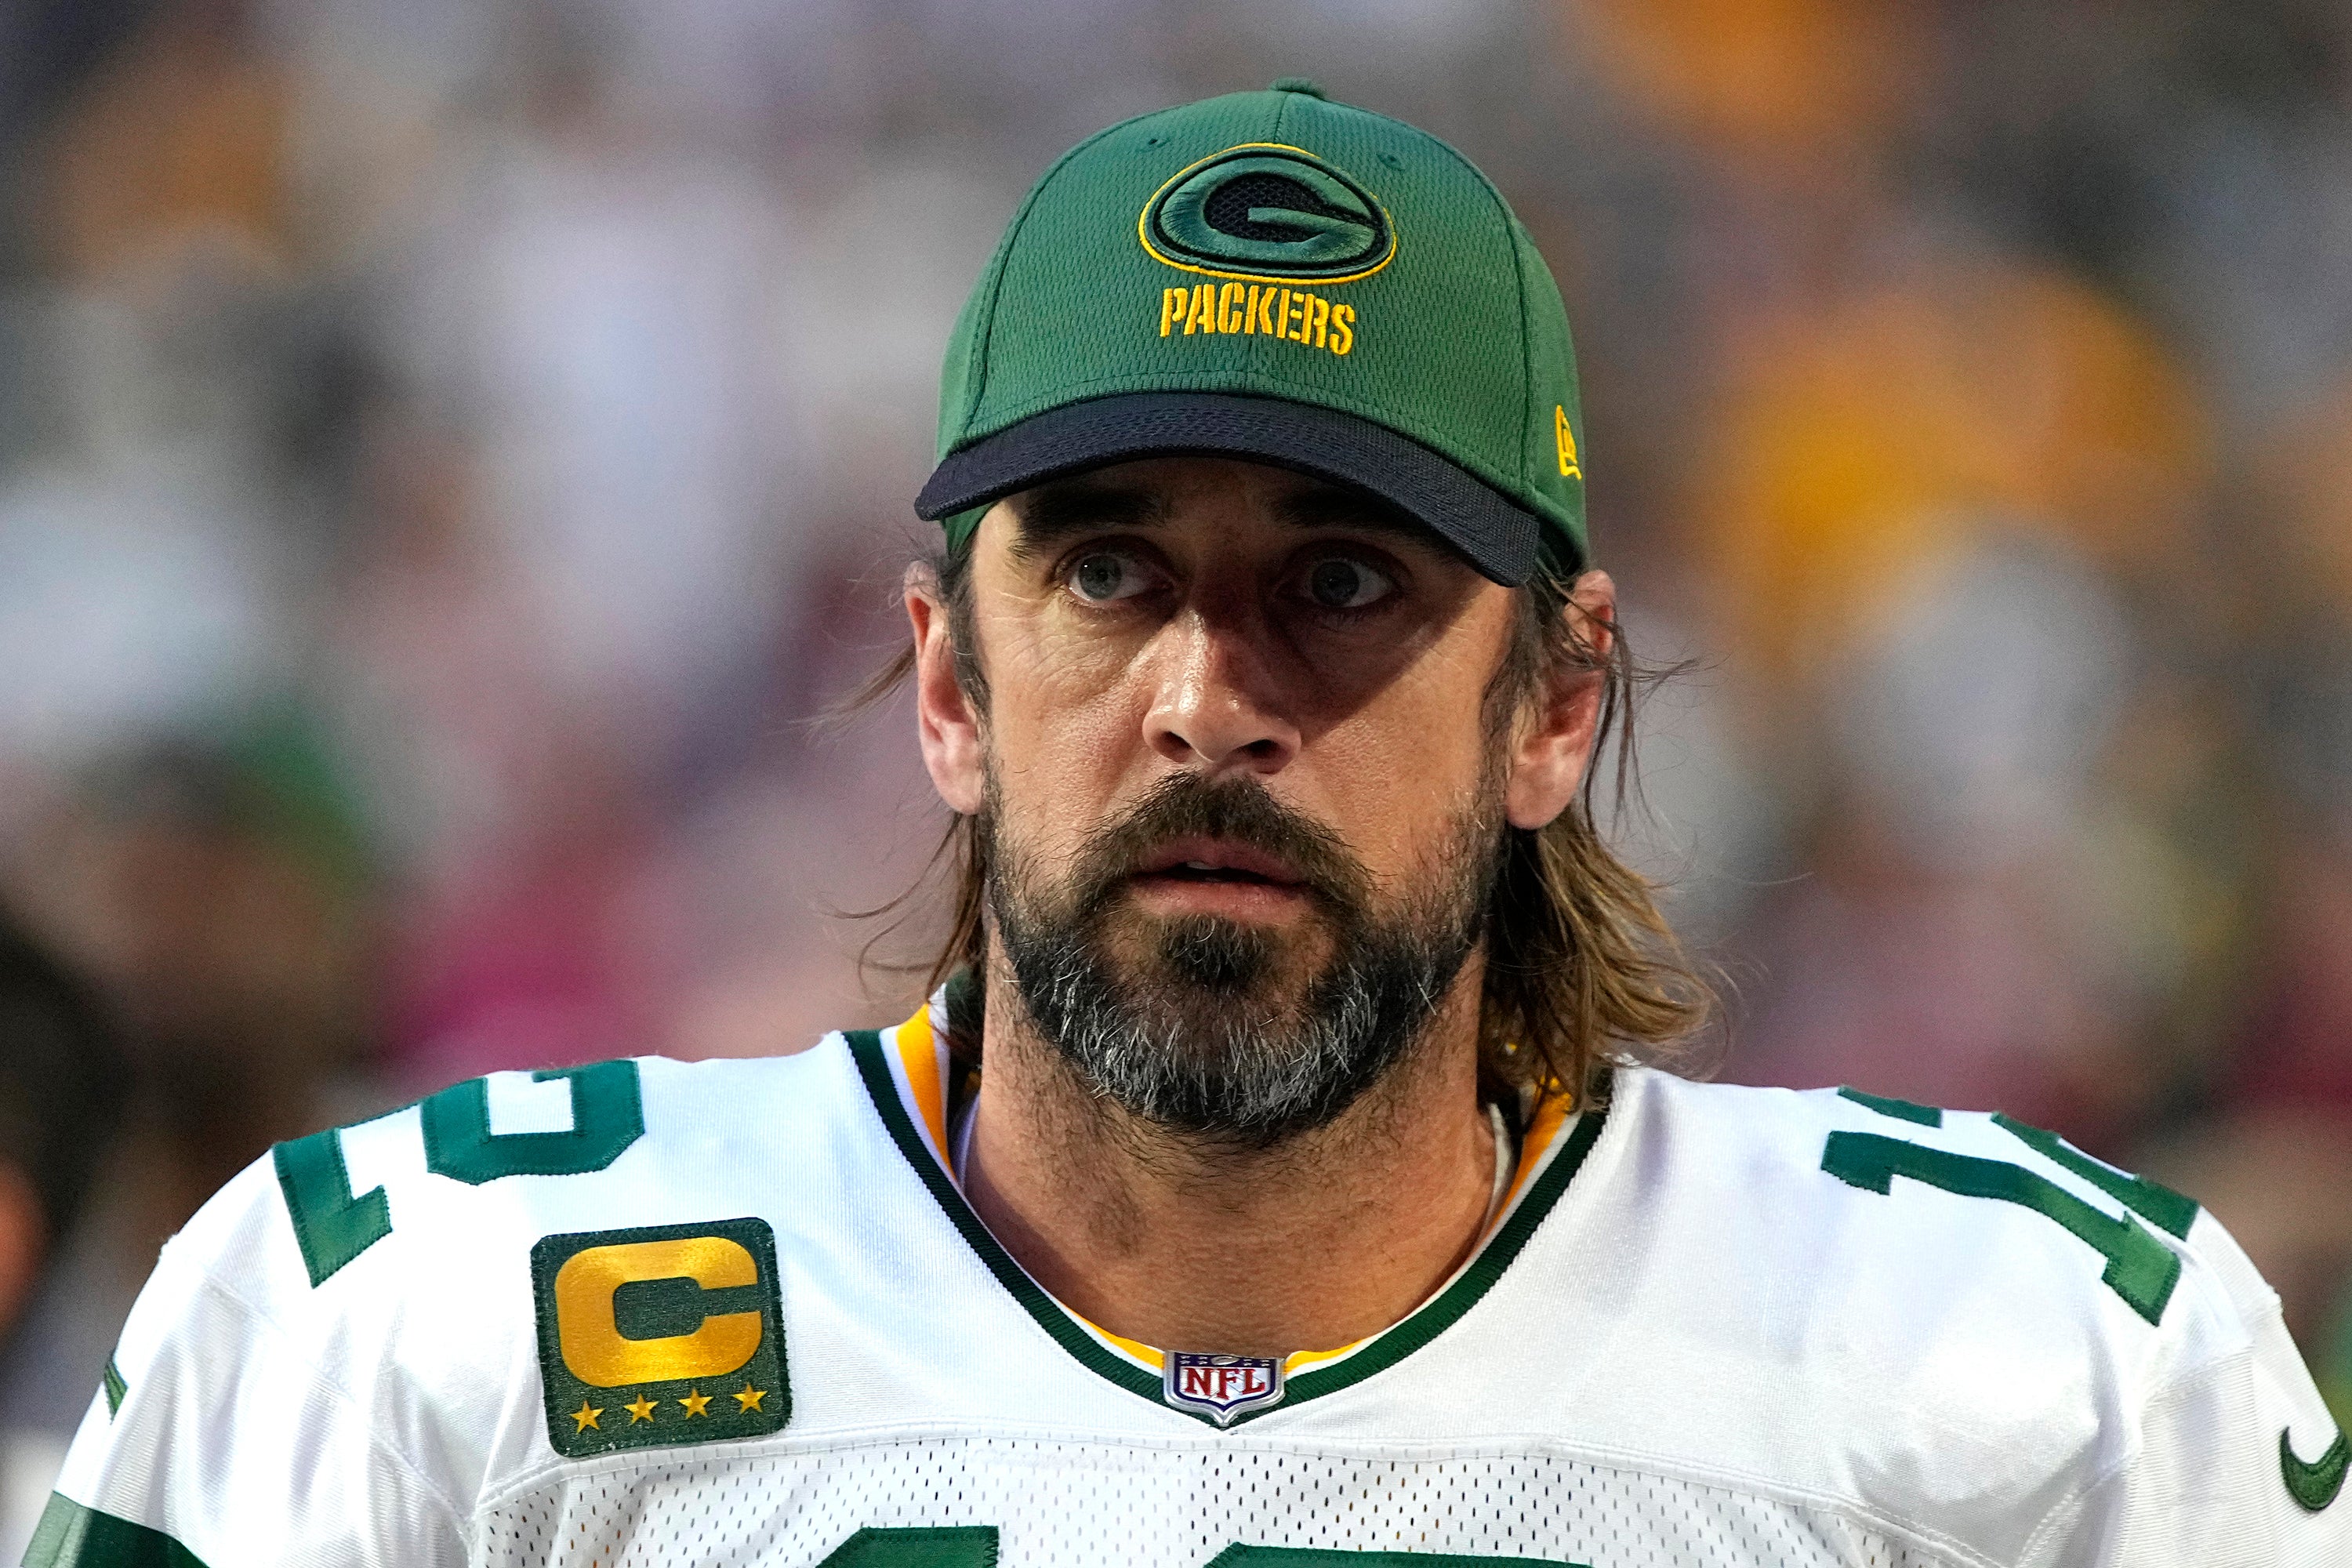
point(1241, 810)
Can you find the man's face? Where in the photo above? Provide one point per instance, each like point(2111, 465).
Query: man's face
point(1239, 775)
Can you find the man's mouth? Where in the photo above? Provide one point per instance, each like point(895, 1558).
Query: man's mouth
point(1209, 860)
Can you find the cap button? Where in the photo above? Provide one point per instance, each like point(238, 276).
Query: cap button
point(1298, 84)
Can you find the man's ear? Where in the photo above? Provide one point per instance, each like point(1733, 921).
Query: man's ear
point(948, 725)
point(1552, 743)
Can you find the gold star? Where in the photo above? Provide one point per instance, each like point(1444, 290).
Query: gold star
point(643, 1410)
point(693, 1403)
point(586, 1417)
point(749, 1400)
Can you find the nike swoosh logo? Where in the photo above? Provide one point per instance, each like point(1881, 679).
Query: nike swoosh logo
point(2316, 1484)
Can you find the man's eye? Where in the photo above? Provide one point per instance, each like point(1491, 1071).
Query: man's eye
point(1107, 575)
point(1342, 584)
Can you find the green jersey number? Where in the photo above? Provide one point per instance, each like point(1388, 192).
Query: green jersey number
point(608, 1115)
point(332, 1224)
point(974, 1546)
point(2140, 1270)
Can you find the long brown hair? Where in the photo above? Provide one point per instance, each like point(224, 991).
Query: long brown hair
point(1581, 967)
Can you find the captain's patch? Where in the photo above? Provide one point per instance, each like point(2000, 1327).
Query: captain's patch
point(664, 1334)
point(1221, 1387)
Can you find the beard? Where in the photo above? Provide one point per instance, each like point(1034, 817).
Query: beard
point(1222, 1030)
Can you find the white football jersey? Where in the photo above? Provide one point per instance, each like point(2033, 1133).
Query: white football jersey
point(738, 1313)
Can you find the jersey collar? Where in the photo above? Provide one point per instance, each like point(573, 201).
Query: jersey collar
point(906, 1071)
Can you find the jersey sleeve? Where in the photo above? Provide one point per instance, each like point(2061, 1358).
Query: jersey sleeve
point(218, 1439)
point(2239, 1462)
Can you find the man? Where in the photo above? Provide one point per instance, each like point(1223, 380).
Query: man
point(1271, 1183)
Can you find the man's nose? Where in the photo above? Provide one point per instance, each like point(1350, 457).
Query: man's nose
point(1216, 706)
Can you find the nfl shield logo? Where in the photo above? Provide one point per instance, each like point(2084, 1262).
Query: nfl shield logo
point(1221, 1387)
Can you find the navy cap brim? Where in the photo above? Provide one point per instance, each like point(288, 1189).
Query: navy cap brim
point(1499, 537)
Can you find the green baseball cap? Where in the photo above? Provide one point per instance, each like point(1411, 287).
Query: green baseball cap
point(1272, 276)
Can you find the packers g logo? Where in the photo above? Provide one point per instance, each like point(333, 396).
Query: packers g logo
point(666, 1334)
point(1266, 213)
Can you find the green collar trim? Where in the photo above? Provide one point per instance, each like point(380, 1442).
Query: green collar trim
point(1386, 1349)
point(1434, 1318)
point(865, 1047)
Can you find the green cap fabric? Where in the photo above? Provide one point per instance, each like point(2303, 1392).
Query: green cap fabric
point(1273, 276)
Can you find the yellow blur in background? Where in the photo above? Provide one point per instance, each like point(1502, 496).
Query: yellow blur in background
point(449, 450)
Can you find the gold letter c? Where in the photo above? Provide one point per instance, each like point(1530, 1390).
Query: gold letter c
point(596, 1351)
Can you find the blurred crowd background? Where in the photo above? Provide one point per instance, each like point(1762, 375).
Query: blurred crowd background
point(449, 450)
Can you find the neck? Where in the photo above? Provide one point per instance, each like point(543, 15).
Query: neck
point(1189, 1244)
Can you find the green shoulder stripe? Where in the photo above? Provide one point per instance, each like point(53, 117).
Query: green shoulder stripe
point(72, 1536)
